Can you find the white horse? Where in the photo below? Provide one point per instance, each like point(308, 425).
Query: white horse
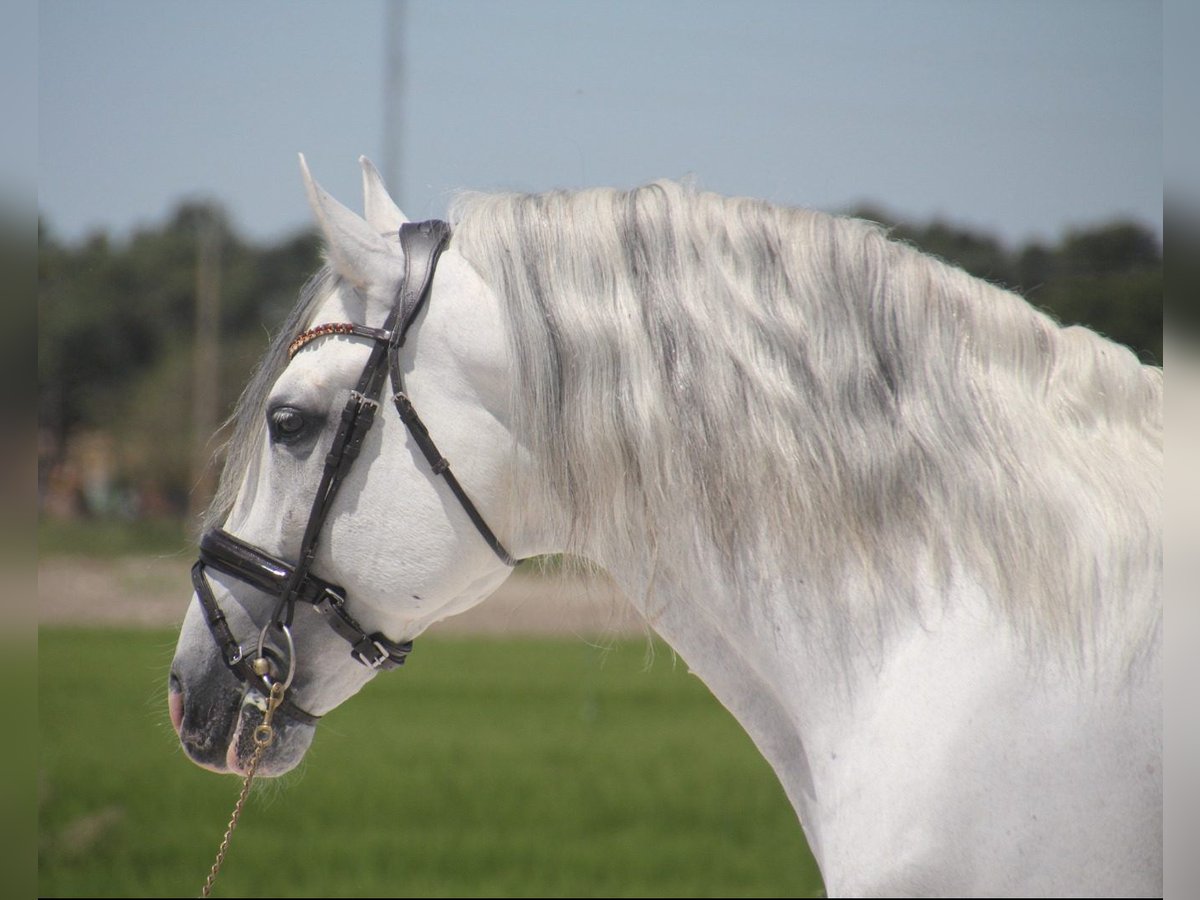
point(905, 527)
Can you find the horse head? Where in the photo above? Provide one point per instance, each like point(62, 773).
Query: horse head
point(393, 549)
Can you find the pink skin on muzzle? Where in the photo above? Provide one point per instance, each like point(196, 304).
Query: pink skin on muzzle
point(175, 705)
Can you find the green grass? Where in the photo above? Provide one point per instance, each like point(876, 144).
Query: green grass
point(107, 538)
point(483, 768)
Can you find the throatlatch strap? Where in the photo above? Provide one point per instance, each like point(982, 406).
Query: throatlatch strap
point(422, 245)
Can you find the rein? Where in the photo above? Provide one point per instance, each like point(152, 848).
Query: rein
point(259, 663)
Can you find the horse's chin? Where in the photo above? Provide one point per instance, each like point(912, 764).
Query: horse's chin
point(222, 739)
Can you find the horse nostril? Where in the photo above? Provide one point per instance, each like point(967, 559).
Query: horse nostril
point(175, 701)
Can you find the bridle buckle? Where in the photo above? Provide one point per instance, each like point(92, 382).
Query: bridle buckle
point(383, 655)
point(362, 652)
point(365, 402)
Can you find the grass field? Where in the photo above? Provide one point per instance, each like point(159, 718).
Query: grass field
point(106, 538)
point(483, 768)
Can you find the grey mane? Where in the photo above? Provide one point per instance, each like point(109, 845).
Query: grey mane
point(772, 392)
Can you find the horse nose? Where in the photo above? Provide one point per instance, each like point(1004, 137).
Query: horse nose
point(175, 701)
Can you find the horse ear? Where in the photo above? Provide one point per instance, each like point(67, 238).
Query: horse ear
point(357, 252)
point(379, 209)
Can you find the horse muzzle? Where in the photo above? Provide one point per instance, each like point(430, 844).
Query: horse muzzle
point(215, 718)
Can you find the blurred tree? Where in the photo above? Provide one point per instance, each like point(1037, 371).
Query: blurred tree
point(1181, 231)
point(1109, 278)
point(116, 324)
point(1109, 250)
point(1034, 266)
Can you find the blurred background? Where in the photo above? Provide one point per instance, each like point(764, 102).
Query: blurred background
point(1021, 141)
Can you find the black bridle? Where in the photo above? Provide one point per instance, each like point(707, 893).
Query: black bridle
point(422, 244)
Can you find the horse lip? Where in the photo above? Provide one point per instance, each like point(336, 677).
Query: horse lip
point(205, 746)
point(289, 741)
point(215, 724)
point(206, 722)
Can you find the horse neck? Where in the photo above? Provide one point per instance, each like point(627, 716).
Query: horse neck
point(852, 738)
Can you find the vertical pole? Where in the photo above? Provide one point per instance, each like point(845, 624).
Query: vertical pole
point(206, 353)
point(395, 12)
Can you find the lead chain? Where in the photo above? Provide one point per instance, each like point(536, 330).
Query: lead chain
point(264, 734)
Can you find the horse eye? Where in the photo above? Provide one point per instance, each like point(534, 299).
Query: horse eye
point(287, 423)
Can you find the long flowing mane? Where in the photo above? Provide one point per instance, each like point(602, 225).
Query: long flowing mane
point(761, 393)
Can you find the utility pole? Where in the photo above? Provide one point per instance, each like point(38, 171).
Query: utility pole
point(395, 12)
point(205, 356)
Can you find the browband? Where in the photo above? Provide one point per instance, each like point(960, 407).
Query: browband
point(312, 334)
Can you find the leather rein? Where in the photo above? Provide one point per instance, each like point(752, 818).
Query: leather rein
point(422, 245)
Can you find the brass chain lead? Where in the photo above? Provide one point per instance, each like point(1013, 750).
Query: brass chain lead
point(264, 734)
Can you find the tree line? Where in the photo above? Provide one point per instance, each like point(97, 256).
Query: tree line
point(117, 326)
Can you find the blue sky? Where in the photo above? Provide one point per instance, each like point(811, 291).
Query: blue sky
point(1022, 118)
